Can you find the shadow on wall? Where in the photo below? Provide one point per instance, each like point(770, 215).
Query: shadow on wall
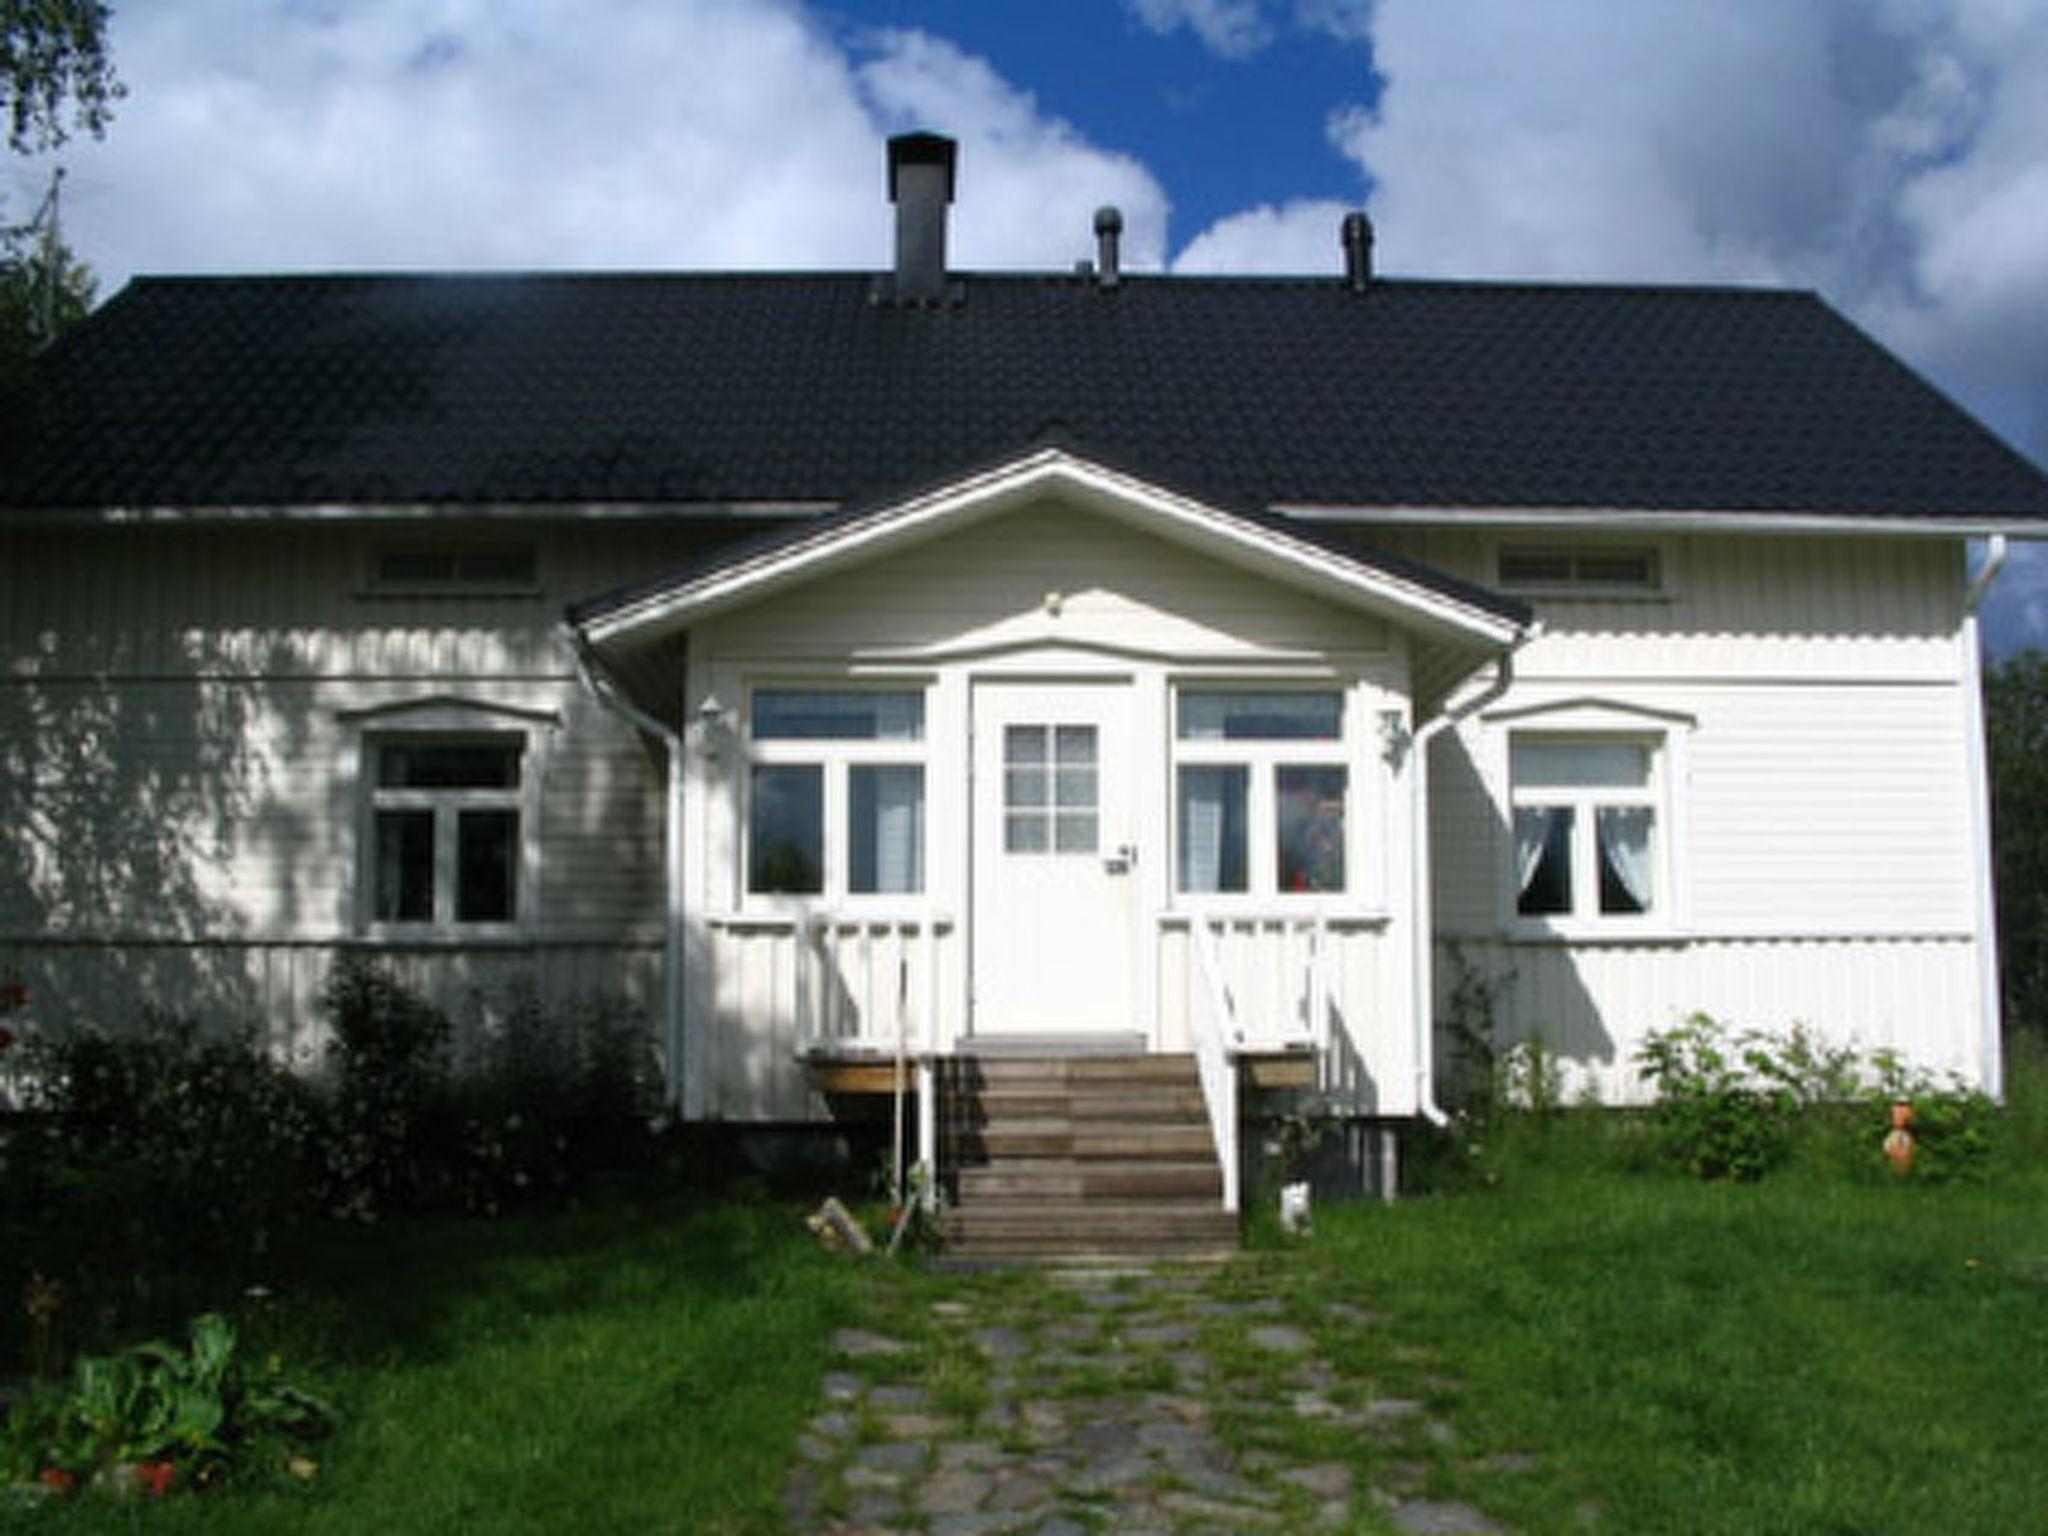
point(130, 812)
point(1492, 996)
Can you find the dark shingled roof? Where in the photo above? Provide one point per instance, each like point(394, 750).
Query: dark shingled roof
point(281, 391)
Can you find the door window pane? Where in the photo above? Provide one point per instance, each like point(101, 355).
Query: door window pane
point(1051, 789)
point(486, 855)
point(885, 855)
point(786, 830)
point(1211, 817)
point(1308, 804)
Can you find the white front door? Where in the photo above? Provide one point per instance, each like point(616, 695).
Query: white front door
point(1055, 894)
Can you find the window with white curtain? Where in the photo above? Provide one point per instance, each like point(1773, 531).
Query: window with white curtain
point(835, 792)
point(1586, 825)
point(1261, 792)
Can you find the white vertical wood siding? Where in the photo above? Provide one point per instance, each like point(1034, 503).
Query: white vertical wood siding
point(1595, 1004)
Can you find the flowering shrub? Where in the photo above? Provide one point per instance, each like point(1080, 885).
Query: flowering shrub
point(157, 1417)
point(1737, 1104)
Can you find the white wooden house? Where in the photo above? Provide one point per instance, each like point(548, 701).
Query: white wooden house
point(927, 666)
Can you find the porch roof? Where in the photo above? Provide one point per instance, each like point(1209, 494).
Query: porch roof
point(1319, 561)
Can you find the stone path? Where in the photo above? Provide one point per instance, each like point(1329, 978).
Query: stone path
point(1173, 1402)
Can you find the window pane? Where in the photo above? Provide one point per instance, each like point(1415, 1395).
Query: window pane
point(786, 830)
point(1074, 832)
point(1217, 715)
point(1025, 832)
point(1024, 788)
point(475, 565)
point(404, 880)
point(1543, 860)
point(1627, 858)
point(885, 855)
point(1618, 568)
point(1210, 820)
point(486, 858)
point(449, 764)
point(1309, 809)
point(799, 714)
point(1541, 764)
point(1535, 567)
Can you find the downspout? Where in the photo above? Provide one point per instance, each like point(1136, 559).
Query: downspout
point(1421, 893)
point(1991, 1047)
point(608, 697)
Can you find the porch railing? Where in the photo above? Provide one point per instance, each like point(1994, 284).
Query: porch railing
point(1212, 1023)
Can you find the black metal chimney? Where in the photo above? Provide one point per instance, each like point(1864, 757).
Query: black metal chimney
point(1109, 228)
point(921, 185)
point(1357, 236)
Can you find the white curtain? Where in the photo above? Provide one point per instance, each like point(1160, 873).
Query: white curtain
point(1532, 835)
point(1625, 845)
point(1202, 795)
point(888, 832)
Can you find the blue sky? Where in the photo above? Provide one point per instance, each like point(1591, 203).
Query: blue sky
point(1892, 154)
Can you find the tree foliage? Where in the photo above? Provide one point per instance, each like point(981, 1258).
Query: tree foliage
point(55, 71)
point(2016, 723)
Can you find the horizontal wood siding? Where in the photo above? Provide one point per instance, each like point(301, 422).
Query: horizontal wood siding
point(987, 586)
point(177, 757)
point(1593, 1005)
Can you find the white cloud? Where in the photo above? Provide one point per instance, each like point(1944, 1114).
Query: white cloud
point(559, 133)
point(1029, 185)
point(1294, 237)
point(1233, 28)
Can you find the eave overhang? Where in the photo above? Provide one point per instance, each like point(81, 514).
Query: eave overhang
point(1443, 609)
point(1673, 520)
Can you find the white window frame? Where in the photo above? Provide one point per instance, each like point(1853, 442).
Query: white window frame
point(1665, 734)
point(1659, 588)
point(836, 757)
point(426, 722)
point(1263, 758)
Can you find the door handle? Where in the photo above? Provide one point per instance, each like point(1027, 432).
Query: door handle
point(1118, 860)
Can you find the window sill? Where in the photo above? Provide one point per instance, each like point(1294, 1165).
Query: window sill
point(1274, 910)
point(423, 936)
point(1595, 931)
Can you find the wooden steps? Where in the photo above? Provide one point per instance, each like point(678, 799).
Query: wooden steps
point(1080, 1160)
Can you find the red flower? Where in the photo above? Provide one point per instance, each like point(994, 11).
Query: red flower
point(57, 1478)
point(156, 1476)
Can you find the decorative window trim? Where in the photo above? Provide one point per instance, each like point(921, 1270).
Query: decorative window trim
point(837, 758)
point(1355, 749)
point(1667, 734)
point(1578, 575)
point(436, 719)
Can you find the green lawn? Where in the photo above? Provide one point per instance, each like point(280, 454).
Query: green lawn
point(1661, 1355)
point(643, 1366)
point(1796, 1355)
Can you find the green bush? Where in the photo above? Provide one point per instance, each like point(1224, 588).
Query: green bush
point(158, 1153)
point(159, 1416)
point(1738, 1104)
point(392, 1131)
